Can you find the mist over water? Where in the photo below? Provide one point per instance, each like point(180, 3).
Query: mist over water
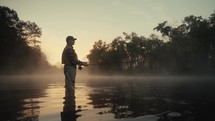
point(40, 97)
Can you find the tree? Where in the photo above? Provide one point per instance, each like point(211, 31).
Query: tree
point(190, 48)
point(118, 53)
point(98, 55)
point(135, 48)
point(19, 44)
point(29, 32)
point(192, 43)
point(212, 38)
point(152, 51)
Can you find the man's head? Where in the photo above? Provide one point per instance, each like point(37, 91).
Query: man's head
point(70, 40)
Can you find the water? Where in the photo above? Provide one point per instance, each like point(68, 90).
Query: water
point(109, 99)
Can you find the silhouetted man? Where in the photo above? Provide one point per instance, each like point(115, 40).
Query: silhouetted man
point(70, 61)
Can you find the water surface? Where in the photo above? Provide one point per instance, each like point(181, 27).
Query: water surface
point(110, 99)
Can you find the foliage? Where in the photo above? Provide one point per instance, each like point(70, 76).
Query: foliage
point(123, 53)
point(190, 48)
point(19, 44)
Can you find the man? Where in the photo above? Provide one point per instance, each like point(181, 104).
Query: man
point(70, 61)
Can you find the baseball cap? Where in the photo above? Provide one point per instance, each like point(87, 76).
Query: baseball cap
point(70, 38)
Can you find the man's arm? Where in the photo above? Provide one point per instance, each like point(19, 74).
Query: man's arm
point(74, 59)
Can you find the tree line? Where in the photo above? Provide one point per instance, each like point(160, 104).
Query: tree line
point(20, 49)
point(188, 47)
point(185, 48)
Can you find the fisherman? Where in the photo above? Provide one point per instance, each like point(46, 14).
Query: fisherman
point(70, 61)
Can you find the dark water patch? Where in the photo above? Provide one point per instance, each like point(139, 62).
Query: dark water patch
point(18, 100)
point(191, 97)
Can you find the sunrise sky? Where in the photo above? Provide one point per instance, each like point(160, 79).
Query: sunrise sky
point(92, 20)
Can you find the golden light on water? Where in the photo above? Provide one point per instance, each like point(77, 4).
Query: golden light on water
point(52, 103)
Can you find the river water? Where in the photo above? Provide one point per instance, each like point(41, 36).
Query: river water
point(137, 98)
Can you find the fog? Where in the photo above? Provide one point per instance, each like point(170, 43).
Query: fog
point(85, 75)
point(142, 95)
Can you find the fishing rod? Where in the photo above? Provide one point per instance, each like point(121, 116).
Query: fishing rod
point(81, 66)
point(97, 64)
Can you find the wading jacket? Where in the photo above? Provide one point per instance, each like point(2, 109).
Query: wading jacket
point(69, 57)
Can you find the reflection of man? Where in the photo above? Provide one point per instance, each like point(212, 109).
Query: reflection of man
point(70, 61)
point(69, 112)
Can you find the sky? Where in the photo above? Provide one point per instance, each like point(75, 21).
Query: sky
point(93, 20)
